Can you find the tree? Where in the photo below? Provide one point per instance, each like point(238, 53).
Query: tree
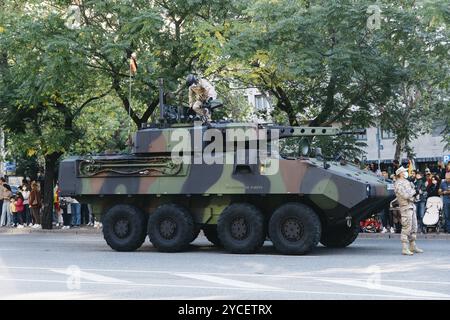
point(53, 70)
point(43, 90)
point(416, 44)
point(318, 60)
point(324, 64)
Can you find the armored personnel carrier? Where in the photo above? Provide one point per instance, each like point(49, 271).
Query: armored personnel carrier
point(182, 178)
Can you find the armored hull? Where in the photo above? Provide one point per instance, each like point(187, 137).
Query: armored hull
point(237, 204)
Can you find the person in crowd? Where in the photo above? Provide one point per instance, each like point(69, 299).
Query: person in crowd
point(57, 218)
point(35, 203)
point(6, 218)
point(2, 182)
point(84, 214)
point(12, 209)
point(427, 176)
point(441, 170)
point(395, 165)
point(433, 188)
point(25, 190)
point(75, 208)
point(447, 168)
point(66, 209)
point(387, 218)
point(421, 189)
point(20, 208)
point(444, 191)
point(91, 216)
point(412, 177)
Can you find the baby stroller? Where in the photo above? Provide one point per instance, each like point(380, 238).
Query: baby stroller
point(433, 217)
point(370, 225)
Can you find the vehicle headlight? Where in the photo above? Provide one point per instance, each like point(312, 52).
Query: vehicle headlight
point(368, 188)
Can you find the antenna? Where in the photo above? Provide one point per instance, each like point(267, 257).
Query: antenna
point(161, 100)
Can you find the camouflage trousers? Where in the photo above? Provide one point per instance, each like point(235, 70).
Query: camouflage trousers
point(409, 223)
point(198, 108)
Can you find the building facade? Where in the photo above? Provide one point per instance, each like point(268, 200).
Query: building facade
point(427, 147)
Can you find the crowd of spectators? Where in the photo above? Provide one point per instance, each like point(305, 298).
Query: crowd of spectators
point(22, 207)
point(430, 183)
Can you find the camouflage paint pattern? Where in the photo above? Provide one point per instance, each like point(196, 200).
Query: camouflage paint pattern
point(149, 177)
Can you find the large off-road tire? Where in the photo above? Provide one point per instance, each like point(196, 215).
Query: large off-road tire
point(124, 227)
point(210, 232)
point(170, 228)
point(339, 237)
point(240, 228)
point(294, 228)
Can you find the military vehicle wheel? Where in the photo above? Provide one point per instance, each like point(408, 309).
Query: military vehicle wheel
point(210, 232)
point(339, 237)
point(294, 228)
point(170, 228)
point(124, 227)
point(241, 228)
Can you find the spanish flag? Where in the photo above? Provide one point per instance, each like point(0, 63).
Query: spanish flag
point(133, 64)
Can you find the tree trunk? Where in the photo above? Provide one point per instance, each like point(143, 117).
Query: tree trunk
point(49, 181)
point(398, 151)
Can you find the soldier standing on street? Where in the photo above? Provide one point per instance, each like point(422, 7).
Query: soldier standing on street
point(200, 91)
point(406, 192)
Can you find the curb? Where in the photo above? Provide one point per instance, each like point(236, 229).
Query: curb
point(52, 231)
point(396, 236)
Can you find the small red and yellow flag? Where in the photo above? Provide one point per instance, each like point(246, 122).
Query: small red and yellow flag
point(410, 167)
point(133, 64)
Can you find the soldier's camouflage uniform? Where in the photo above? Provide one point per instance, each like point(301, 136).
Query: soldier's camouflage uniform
point(199, 93)
point(405, 192)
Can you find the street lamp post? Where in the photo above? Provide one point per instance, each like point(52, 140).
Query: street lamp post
point(379, 146)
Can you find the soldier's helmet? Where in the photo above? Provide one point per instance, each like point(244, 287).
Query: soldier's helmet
point(190, 80)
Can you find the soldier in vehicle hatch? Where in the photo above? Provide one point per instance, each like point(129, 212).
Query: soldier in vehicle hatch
point(406, 192)
point(200, 91)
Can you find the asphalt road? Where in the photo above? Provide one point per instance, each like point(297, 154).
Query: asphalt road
point(71, 266)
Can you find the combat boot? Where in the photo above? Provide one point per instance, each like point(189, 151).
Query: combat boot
point(405, 249)
point(413, 248)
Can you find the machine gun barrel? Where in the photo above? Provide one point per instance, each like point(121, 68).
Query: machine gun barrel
point(288, 131)
point(294, 131)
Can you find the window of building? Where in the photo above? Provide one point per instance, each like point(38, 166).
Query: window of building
point(437, 130)
point(360, 137)
point(261, 102)
point(387, 134)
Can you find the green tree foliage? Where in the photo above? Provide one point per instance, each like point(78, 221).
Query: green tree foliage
point(317, 59)
point(415, 42)
point(325, 62)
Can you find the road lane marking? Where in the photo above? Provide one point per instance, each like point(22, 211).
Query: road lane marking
point(350, 294)
point(90, 276)
point(225, 281)
point(287, 276)
point(392, 289)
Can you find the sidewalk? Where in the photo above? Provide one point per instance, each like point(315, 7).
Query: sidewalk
point(92, 230)
point(27, 230)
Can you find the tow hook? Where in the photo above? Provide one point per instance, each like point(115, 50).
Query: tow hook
point(349, 221)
